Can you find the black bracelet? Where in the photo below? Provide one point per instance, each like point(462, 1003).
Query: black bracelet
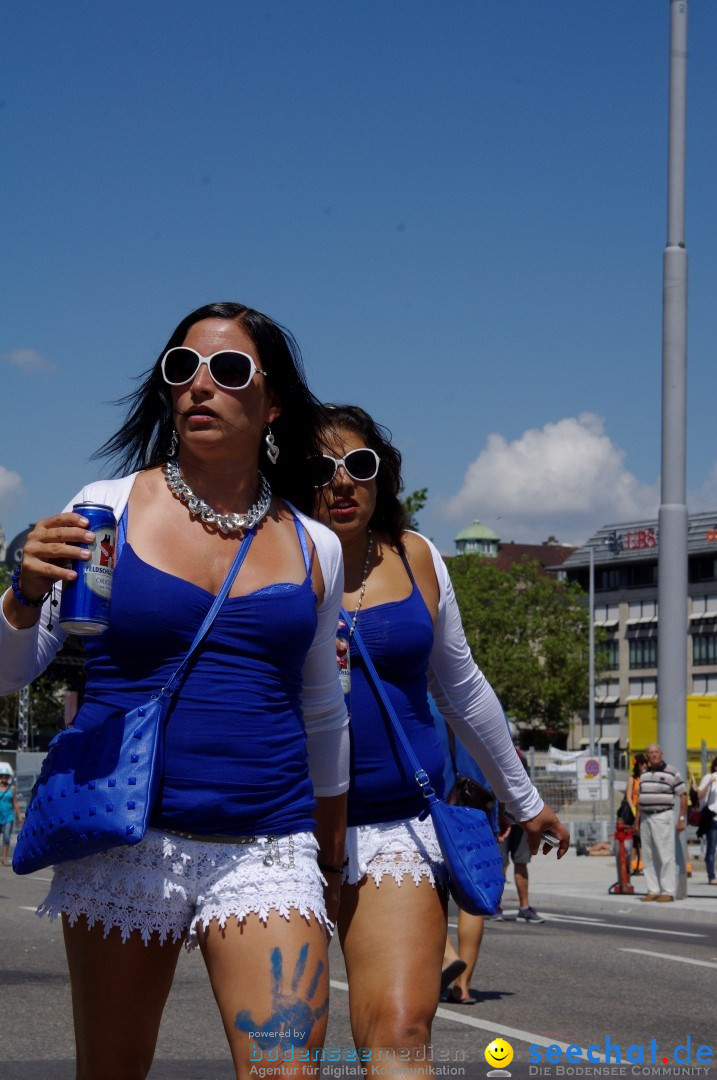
point(326, 868)
point(18, 593)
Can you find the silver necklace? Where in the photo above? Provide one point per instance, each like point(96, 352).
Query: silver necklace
point(226, 523)
point(363, 585)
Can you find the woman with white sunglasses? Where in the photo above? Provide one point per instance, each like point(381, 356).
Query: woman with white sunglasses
point(398, 596)
point(250, 819)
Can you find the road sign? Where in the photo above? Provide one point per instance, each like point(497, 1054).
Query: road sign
point(592, 778)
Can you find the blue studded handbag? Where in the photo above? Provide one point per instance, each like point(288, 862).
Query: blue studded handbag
point(98, 786)
point(467, 841)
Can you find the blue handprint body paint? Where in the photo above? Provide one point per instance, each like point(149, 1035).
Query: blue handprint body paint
point(292, 1019)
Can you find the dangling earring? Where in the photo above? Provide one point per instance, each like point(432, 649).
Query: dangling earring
point(174, 444)
point(272, 450)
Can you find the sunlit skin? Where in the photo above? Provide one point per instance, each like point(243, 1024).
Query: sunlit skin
point(219, 427)
point(393, 936)
point(220, 435)
point(347, 505)
point(499, 1053)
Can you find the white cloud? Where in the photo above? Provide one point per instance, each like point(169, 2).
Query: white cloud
point(565, 479)
point(29, 360)
point(11, 489)
point(705, 498)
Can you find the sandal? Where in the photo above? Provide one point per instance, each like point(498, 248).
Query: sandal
point(451, 972)
point(456, 997)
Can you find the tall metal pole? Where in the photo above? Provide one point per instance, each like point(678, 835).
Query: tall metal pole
point(591, 649)
point(672, 560)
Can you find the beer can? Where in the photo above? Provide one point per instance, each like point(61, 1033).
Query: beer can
point(85, 604)
point(343, 658)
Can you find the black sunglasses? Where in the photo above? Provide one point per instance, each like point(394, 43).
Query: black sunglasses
point(360, 464)
point(230, 369)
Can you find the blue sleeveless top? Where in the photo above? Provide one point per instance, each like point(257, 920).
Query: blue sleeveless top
point(235, 761)
point(399, 639)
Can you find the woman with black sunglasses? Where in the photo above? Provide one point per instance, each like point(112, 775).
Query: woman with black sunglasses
point(398, 596)
point(252, 804)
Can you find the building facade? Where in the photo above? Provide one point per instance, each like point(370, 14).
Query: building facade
point(626, 608)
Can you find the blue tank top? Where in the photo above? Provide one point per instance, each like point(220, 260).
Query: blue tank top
point(399, 639)
point(235, 761)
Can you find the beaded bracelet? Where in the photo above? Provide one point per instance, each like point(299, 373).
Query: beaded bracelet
point(18, 593)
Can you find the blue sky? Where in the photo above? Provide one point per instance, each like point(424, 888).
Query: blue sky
point(459, 209)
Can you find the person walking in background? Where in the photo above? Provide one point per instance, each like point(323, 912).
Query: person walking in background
point(399, 598)
point(467, 786)
point(470, 936)
point(708, 825)
point(9, 808)
point(250, 820)
point(632, 791)
point(513, 847)
point(660, 785)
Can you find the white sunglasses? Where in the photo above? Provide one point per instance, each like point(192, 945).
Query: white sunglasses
point(230, 369)
point(361, 464)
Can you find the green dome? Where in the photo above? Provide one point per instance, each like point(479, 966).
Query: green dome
point(476, 531)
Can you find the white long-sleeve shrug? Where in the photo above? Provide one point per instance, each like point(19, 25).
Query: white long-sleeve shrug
point(24, 654)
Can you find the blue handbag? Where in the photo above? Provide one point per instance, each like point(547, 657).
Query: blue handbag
point(98, 786)
point(468, 844)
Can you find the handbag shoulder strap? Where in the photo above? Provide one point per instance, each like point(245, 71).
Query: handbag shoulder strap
point(219, 599)
point(422, 778)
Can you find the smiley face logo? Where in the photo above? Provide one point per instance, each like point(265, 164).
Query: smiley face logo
point(499, 1053)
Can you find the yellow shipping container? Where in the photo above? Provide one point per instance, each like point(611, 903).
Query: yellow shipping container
point(701, 724)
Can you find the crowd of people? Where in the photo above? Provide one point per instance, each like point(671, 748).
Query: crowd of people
point(278, 819)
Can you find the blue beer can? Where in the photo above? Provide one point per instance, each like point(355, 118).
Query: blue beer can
point(85, 604)
point(343, 658)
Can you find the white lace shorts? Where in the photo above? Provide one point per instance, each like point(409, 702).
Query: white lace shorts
point(399, 848)
point(167, 885)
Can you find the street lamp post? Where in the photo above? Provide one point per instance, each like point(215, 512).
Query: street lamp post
point(591, 648)
point(672, 558)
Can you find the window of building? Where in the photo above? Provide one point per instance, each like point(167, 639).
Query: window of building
point(704, 649)
point(643, 688)
point(642, 609)
point(702, 568)
point(640, 575)
point(704, 605)
point(607, 692)
point(607, 614)
point(608, 658)
point(609, 578)
point(643, 652)
point(704, 609)
point(704, 684)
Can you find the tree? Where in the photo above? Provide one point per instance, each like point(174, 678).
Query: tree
point(529, 634)
point(413, 504)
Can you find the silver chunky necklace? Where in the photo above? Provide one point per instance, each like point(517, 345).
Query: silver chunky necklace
point(363, 585)
point(226, 523)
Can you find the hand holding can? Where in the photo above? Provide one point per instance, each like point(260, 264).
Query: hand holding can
point(50, 546)
point(85, 606)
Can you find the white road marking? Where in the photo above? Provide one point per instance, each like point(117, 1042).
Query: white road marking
point(588, 920)
point(620, 926)
point(495, 1030)
point(22, 908)
point(667, 956)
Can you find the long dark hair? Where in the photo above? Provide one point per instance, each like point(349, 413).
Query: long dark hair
point(389, 516)
point(143, 440)
point(640, 759)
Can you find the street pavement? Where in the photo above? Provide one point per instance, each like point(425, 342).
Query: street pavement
point(585, 881)
point(568, 981)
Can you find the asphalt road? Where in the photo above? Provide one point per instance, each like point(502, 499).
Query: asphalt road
point(575, 980)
